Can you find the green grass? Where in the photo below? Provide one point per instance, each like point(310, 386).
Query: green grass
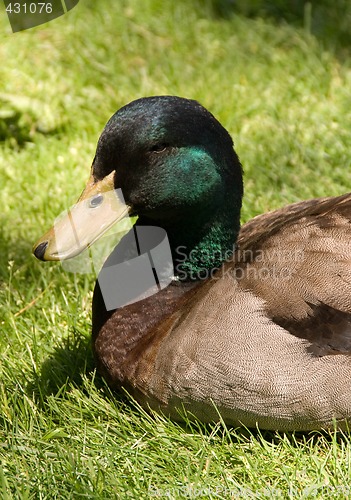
point(285, 97)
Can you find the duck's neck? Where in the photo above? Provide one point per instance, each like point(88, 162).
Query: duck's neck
point(203, 241)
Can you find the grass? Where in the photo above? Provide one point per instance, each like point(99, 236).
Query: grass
point(328, 20)
point(284, 96)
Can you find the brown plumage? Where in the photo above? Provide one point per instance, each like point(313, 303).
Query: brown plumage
point(266, 338)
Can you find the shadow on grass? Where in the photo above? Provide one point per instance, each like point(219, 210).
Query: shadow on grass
point(14, 128)
point(66, 366)
point(18, 125)
point(329, 21)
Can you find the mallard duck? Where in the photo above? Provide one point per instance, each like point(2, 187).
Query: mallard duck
point(254, 324)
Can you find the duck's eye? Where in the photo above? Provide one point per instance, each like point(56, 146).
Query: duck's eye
point(159, 148)
point(96, 201)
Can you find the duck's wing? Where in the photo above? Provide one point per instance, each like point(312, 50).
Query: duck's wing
point(298, 259)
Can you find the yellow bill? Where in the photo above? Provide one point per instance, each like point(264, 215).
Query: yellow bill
point(98, 208)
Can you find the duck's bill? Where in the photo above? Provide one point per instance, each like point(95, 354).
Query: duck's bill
point(98, 208)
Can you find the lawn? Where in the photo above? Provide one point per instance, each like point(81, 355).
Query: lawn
point(282, 89)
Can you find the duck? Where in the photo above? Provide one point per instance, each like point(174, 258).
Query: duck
point(249, 325)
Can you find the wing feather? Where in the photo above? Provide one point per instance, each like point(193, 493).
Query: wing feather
point(298, 260)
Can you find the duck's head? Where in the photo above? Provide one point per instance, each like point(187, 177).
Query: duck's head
point(176, 167)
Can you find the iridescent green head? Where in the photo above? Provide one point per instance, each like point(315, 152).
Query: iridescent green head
point(177, 169)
